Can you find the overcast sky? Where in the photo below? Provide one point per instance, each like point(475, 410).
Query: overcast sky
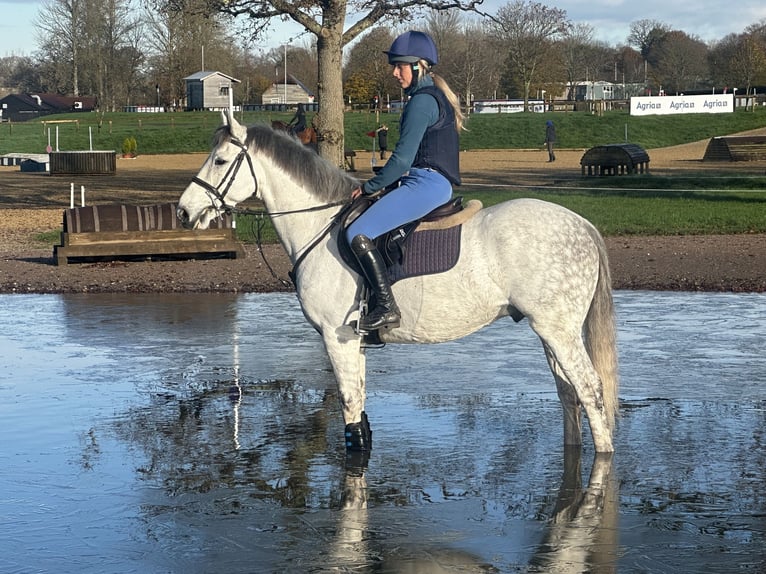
point(710, 20)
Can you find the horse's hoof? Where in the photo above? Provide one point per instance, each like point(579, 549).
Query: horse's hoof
point(358, 436)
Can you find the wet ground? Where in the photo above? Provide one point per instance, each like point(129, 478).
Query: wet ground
point(200, 434)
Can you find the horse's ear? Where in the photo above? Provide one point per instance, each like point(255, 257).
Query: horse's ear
point(235, 128)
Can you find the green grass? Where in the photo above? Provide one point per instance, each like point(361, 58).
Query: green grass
point(184, 132)
point(655, 213)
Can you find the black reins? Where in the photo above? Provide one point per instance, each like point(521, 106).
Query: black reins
point(215, 193)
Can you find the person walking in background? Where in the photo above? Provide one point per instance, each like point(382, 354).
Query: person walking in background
point(383, 140)
point(550, 139)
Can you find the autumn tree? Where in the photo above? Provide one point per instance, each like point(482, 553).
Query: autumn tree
point(366, 73)
point(739, 60)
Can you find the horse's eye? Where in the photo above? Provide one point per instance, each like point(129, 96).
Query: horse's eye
point(219, 161)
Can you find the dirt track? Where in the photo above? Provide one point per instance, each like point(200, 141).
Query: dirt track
point(33, 203)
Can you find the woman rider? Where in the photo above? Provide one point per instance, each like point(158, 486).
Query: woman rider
point(425, 160)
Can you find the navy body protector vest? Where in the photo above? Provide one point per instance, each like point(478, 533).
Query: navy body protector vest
point(440, 147)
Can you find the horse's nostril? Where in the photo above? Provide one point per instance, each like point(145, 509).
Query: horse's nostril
point(183, 217)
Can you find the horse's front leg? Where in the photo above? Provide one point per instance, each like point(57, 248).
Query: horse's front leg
point(349, 365)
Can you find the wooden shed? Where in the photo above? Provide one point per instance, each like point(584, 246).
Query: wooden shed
point(209, 90)
point(615, 159)
point(290, 91)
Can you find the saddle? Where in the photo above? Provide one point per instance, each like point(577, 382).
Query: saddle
point(424, 246)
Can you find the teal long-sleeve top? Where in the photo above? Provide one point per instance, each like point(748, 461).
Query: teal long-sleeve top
point(419, 113)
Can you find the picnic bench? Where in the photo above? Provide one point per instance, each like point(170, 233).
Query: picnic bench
point(736, 148)
point(124, 231)
point(615, 159)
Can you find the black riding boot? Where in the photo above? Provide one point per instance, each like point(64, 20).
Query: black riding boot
point(386, 313)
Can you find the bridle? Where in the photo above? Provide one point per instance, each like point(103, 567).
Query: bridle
point(216, 193)
point(219, 193)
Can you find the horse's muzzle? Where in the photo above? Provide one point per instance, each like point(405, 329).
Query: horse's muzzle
point(183, 217)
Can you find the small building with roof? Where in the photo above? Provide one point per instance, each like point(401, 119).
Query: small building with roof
point(207, 90)
point(289, 91)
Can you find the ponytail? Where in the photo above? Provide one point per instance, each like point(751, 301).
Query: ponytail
point(441, 83)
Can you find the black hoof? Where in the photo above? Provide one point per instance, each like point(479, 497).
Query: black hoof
point(358, 436)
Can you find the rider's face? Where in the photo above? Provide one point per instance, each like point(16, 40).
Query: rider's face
point(402, 71)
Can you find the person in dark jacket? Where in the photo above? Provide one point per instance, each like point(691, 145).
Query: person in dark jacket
point(298, 123)
point(383, 140)
point(425, 161)
point(550, 139)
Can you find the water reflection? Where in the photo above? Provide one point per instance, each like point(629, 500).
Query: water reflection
point(201, 434)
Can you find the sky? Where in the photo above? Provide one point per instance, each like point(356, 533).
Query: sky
point(709, 20)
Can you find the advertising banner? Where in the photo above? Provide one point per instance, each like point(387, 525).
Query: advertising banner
point(704, 104)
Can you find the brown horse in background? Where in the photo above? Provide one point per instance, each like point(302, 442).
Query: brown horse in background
point(307, 137)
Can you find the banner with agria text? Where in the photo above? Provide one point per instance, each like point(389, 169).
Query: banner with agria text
point(705, 104)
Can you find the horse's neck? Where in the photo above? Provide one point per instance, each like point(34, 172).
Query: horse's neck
point(296, 226)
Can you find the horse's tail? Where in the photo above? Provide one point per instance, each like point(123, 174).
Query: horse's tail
point(600, 333)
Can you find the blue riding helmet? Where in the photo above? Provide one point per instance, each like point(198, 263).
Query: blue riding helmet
point(411, 47)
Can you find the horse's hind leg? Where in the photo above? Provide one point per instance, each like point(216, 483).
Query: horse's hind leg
point(569, 402)
point(570, 362)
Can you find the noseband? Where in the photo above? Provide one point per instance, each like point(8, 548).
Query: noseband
point(216, 193)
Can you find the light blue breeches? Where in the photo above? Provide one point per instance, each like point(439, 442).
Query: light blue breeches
point(420, 192)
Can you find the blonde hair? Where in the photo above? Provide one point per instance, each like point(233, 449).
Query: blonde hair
point(423, 70)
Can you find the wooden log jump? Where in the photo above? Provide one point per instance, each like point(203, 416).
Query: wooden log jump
point(83, 162)
point(122, 231)
point(615, 159)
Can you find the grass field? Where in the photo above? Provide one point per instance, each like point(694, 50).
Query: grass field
point(184, 132)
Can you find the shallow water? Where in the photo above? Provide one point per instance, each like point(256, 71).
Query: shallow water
point(200, 433)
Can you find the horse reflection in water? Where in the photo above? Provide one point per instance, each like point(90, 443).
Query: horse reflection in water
point(581, 536)
point(523, 258)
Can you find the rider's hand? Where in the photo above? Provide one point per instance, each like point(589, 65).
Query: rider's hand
point(356, 193)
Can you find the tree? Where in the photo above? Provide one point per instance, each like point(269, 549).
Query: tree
point(367, 73)
point(89, 47)
point(325, 19)
point(527, 30)
point(679, 62)
point(576, 54)
point(183, 42)
point(739, 60)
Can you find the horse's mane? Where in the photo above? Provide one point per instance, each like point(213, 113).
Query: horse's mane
point(325, 181)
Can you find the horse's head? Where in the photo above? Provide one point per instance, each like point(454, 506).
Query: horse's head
point(226, 178)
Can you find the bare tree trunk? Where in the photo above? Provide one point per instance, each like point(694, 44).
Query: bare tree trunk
point(330, 92)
